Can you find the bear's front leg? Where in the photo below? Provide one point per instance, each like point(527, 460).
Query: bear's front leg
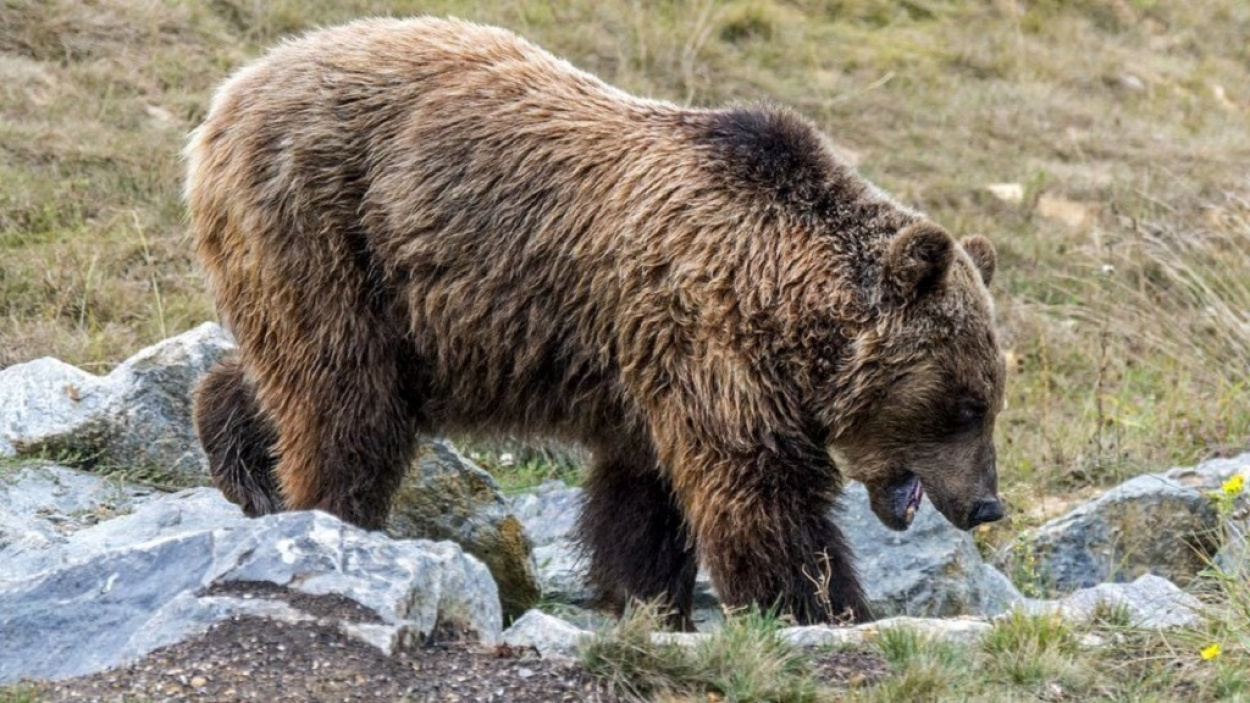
point(764, 532)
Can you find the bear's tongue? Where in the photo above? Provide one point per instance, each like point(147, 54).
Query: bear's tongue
point(914, 495)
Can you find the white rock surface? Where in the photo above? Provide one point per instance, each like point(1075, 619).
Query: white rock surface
point(139, 415)
point(549, 635)
point(111, 593)
point(1150, 602)
point(955, 630)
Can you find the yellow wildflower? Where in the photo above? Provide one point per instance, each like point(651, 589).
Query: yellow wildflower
point(1234, 485)
point(1210, 652)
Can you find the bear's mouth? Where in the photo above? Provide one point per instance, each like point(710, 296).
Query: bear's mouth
point(905, 499)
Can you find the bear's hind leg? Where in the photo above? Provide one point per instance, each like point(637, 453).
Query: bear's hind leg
point(346, 432)
point(238, 439)
point(640, 548)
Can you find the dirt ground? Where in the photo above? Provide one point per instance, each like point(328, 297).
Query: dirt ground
point(253, 659)
point(249, 659)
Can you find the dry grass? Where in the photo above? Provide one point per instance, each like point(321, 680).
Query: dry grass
point(1123, 291)
point(1023, 658)
point(744, 661)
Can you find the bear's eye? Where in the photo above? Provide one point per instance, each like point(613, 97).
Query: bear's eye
point(968, 415)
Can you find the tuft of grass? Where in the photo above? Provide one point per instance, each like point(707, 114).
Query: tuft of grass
point(521, 465)
point(1027, 650)
point(745, 660)
point(21, 693)
point(628, 658)
point(922, 668)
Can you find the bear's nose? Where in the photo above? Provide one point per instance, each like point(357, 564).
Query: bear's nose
point(984, 511)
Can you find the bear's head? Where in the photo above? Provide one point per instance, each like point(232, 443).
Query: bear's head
point(923, 382)
point(893, 345)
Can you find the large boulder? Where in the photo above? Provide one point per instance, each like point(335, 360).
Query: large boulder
point(108, 594)
point(931, 570)
point(138, 419)
point(1151, 524)
point(1227, 481)
point(138, 416)
point(447, 496)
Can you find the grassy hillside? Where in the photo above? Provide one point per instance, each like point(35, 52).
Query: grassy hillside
point(1124, 292)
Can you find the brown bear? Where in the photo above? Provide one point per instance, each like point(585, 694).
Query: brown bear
point(430, 226)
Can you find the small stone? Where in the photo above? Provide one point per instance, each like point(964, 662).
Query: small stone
point(1069, 212)
point(549, 635)
point(1129, 82)
point(1010, 193)
point(199, 682)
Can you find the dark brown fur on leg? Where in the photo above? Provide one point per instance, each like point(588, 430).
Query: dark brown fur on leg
point(238, 439)
point(774, 545)
point(637, 537)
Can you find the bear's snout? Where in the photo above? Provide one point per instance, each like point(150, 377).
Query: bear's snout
point(984, 511)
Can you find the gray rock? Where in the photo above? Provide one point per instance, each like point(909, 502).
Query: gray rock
point(1149, 602)
point(414, 583)
point(562, 569)
point(549, 512)
point(111, 593)
point(44, 400)
point(1209, 477)
point(1150, 524)
point(1211, 474)
point(954, 630)
point(41, 503)
point(195, 510)
point(77, 620)
point(152, 409)
point(138, 416)
point(933, 569)
point(549, 635)
point(447, 496)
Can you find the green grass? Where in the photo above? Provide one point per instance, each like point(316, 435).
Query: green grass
point(1023, 658)
point(518, 465)
point(18, 694)
point(744, 661)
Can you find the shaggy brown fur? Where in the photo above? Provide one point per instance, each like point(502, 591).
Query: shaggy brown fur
point(431, 226)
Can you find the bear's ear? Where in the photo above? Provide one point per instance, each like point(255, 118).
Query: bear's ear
point(918, 258)
point(983, 255)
